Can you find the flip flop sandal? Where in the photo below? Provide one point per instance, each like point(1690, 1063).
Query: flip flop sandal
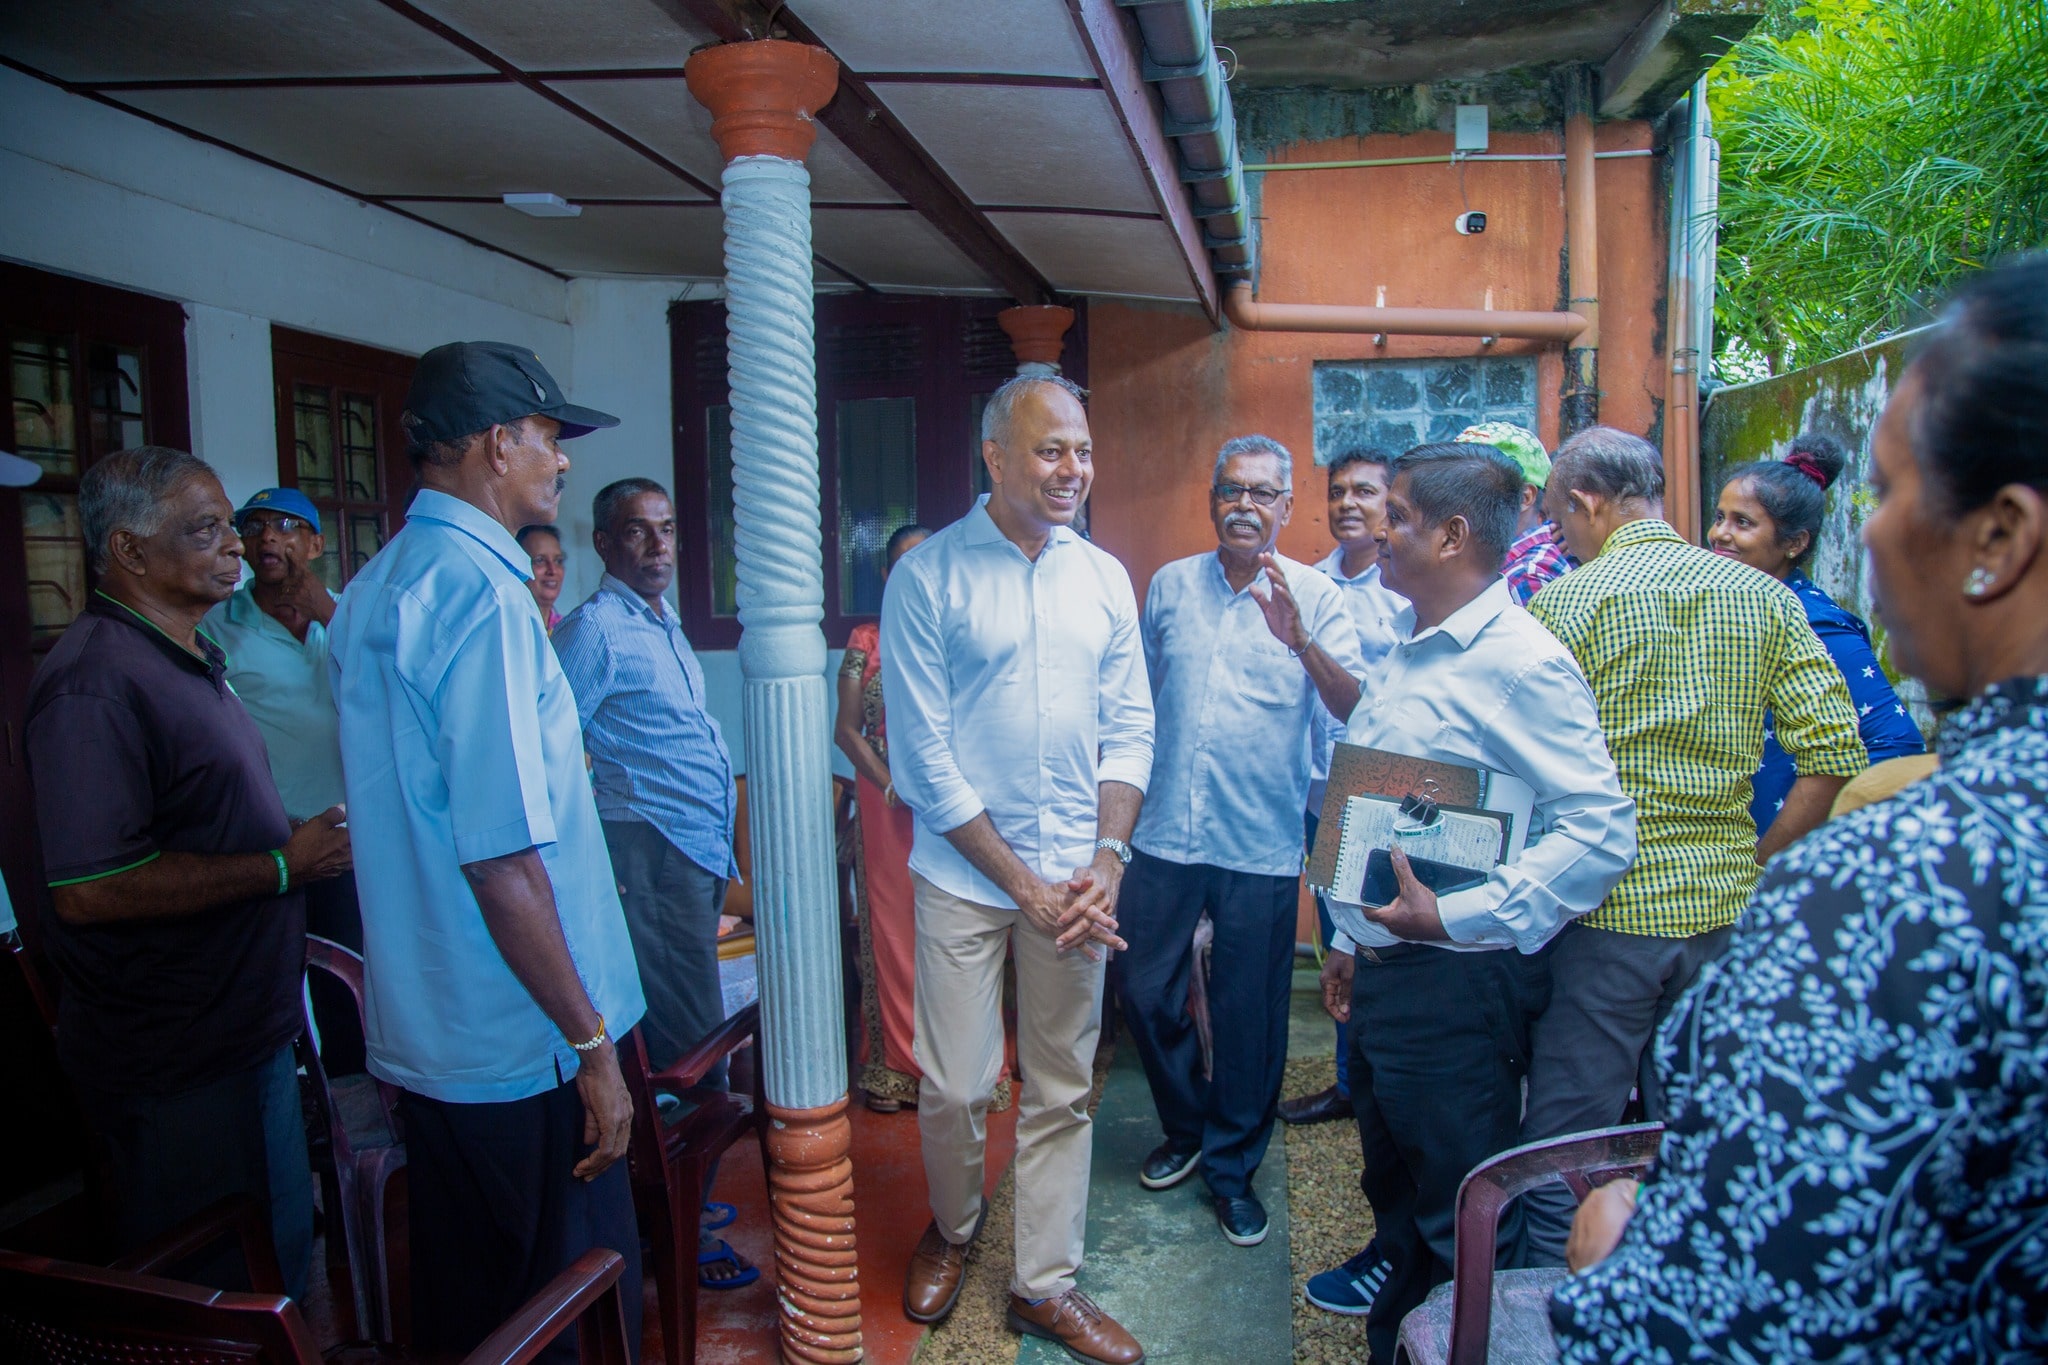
point(723, 1254)
point(723, 1216)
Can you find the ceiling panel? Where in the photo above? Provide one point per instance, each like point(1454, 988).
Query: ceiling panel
point(573, 35)
point(685, 241)
point(123, 40)
point(893, 249)
point(1012, 145)
point(663, 114)
point(427, 140)
point(1013, 37)
point(1086, 255)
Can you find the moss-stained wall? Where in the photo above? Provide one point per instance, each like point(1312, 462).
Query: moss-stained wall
point(1842, 397)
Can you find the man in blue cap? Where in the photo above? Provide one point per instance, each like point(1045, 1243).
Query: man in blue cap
point(274, 630)
point(498, 963)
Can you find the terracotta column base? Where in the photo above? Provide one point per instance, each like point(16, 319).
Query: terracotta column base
point(810, 1185)
point(1036, 333)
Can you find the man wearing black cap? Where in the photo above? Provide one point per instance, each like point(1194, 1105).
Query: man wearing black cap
point(498, 963)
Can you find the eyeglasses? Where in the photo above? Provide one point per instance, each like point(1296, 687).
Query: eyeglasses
point(1264, 497)
point(251, 527)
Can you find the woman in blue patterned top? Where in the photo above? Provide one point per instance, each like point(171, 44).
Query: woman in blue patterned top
point(1769, 518)
point(1856, 1160)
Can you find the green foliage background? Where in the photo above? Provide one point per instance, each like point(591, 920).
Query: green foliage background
point(1871, 152)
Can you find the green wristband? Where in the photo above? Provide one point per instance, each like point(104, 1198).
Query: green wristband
point(284, 873)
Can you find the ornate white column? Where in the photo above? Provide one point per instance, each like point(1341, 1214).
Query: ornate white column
point(761, 96)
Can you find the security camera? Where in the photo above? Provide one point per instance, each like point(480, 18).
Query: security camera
point(1470, 224)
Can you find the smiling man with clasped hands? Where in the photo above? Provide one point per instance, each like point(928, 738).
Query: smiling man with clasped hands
point(1020, 732)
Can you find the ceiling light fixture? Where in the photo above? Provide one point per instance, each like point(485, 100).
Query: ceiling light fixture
point(543, 205)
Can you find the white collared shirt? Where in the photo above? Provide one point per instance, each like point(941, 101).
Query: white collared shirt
point(1374, 608)
point(1491, 687)
point(1013, 686)
point(1238, 716)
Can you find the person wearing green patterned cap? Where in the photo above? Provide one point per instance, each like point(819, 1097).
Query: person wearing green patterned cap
point(1538, 553)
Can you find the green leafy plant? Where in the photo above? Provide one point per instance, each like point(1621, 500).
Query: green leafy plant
point(1872, 151)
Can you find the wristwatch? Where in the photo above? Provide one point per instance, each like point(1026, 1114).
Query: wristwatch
point(1121, 849)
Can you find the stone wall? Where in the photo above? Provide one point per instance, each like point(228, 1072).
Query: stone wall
point(1842, 397)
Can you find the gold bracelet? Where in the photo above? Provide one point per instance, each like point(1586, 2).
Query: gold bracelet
point(595, 1043)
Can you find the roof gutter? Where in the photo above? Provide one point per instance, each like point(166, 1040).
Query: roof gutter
point(1180, 61)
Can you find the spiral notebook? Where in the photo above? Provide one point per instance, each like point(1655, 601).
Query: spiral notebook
point(1483, 816)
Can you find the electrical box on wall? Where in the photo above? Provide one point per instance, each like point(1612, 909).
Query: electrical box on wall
point(1470, 130)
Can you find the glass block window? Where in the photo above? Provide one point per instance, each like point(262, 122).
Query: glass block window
point(877, 489)
point(1395, 404)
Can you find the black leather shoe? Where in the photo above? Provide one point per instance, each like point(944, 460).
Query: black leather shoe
point(1321, 1107)
point(1243, 1219)
point(1168, 1166)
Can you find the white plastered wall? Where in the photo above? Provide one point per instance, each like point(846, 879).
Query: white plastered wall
point(106, 196)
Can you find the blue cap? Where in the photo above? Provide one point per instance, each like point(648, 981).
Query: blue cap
point(287, 500)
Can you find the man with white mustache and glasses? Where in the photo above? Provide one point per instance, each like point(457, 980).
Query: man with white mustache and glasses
point(1249, 654)
point(1020, 732)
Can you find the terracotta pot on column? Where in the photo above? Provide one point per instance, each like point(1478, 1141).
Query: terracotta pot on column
point(1037, 334)
point(761, 96)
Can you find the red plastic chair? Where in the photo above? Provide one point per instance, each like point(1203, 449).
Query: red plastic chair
point(364, 1133)
point(61, 1313)
point(668, 1161)
point(1484, 1317)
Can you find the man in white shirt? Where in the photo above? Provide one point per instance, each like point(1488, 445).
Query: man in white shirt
point(1020, 732)
point(1358, 507)
point(1440, 991)
point(1247, 651)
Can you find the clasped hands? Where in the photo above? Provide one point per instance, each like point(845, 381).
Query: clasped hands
point(1081, 911)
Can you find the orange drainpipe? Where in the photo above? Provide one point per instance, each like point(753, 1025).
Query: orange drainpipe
point(1580, 405)
point(1246, 312)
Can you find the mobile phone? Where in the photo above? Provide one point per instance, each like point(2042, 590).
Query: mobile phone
point(1381, 887)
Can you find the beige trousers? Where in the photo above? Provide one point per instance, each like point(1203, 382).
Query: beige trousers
point(959, 1046)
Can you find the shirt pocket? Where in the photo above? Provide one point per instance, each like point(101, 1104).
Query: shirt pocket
point(1268, 677)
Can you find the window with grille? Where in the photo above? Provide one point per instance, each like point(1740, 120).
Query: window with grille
point(340, 443)
point(901, 388)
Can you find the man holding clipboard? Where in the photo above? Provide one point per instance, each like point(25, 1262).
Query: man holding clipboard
point(1441, 988)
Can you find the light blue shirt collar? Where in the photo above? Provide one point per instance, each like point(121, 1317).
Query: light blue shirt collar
point(618, 587)
point(431, 505)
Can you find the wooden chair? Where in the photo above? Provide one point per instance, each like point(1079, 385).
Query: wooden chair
point(668, 1161)
point(61, 1313)
point(364, 1137)
point(1484, 1317)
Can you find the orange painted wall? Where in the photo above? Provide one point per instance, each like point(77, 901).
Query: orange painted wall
point(1168, 389)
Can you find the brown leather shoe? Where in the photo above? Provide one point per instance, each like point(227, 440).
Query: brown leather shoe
point(937, 1270)
point(1077, 1324)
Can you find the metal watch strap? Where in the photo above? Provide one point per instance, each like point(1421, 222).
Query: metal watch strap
point(1121, 849)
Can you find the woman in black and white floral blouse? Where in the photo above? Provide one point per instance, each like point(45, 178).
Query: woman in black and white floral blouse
point(1857, 1159)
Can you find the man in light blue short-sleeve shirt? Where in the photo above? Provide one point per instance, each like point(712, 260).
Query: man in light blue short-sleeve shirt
point(496, 954)
point(1251, 655)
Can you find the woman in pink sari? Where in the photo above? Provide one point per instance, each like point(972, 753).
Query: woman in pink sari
point(888, 924)
point(888, 921)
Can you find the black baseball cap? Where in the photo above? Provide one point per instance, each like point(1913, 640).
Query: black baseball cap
point(471, 386)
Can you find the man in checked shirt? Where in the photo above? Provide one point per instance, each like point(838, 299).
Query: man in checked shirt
point(1686, 651)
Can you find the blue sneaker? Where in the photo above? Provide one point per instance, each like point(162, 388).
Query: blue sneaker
point(1351, 1287)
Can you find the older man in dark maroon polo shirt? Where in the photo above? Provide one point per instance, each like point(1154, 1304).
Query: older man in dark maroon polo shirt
point(174, 872)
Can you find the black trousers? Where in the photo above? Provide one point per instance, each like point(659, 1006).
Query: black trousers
point(1230, 1116)
point(170, 1156)
point(1439, 1046)
point(497, 1212)
point(672, 908)
point(333, 913)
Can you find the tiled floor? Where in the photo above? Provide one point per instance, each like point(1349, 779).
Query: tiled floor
point(738, 1326)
